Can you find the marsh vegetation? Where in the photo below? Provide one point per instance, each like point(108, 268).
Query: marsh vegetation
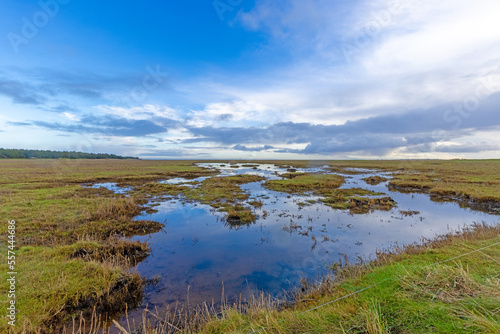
point(86, 229)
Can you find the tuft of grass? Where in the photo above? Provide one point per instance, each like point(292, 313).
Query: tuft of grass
point(238, 215)
point(375, 321)
point(256, 204)
point(305, 182)
point(374, 180)
point(356, 200)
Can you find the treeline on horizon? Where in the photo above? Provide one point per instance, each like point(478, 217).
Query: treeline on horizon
point(41, 154)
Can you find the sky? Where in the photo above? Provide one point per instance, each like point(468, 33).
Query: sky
point(252, 79)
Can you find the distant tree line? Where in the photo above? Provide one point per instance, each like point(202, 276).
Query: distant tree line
point(40, 154)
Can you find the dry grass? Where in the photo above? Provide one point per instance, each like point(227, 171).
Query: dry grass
point(305, 182)
point(374, 180)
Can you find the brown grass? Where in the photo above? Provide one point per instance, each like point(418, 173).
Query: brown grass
point(374, 180)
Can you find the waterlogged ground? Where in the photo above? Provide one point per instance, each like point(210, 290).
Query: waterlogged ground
point(200, 257)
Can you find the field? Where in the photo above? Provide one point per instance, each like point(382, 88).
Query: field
point(74, 257)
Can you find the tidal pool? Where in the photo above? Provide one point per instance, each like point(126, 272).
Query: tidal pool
point(198, 254)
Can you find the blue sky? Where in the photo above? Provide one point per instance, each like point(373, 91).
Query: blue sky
point(305, 79)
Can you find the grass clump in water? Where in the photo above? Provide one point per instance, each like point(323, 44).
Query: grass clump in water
point(305, 182)
point(225, 194)
point(356, 200)
point(238, 215)
point(375, 180)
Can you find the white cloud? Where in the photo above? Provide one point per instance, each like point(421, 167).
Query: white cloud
point(436, 35)
point(145, 112)
point(71, 117)
point(234, 113)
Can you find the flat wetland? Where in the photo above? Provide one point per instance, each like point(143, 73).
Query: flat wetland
point(255, 243)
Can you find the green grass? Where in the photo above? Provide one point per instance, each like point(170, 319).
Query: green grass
point(305, 182)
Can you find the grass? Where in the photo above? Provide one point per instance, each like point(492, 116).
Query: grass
point(157, 190)
point(53, 284)
point(239, 215)
point(305, 182)
point(355, 200)
point(374, 180)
